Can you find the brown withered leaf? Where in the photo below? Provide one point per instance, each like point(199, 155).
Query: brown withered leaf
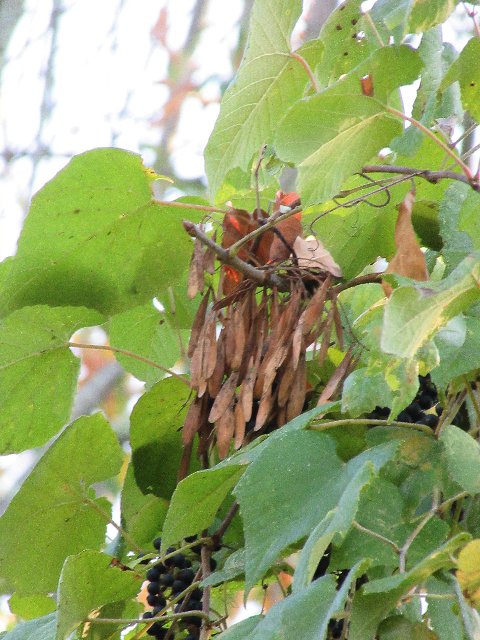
point(229, 331)
point(196, 280)
point(311, 254)
point(338, 323)
point(237, 223)
point(238, 330)
point(314, 310)
point(248, 384)
point(287, 231)
point(216, 379)
point(224, 429)
point(409, 259)
point(322, 354)
point(336, 378)
point(204, 358)
point(192, 423)
point(224, 398)
point(209, 258)
point(239, 416)
point(286, 376)
point(264, 407)
point(298, 391)
point(198, 323)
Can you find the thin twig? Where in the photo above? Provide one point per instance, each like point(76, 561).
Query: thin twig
point(263, 278)
point(440, 143)
point(308, 69)
point(323, 426)
point(167, 618)
point(473, 15)
point(426, 174)
point(219, 533)
point(379, 536)
point(130, 354)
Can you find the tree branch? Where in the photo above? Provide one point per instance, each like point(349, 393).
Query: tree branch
point(426, 174)
point(262, 278)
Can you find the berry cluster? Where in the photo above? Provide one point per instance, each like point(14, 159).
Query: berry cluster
point(166, 581)
point(420, 411)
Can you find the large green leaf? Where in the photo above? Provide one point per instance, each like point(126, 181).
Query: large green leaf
point(458, 359)
point(414, 313)
point(88, 582)
point(268, 82)
point(413, 16)
point(343, 133)
point(196, 500)
point(94, 236)
point(38, 373)
point(146, 332)
point(338, 521)
point(41, 629)
point(142, 514)
point(285, 492)
point(344, 49)
point(155, 436)
point(56, 510)
point(240, 630)
point(466, 70)
point(463, 458)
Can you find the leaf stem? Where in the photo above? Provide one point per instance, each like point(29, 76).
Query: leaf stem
point(323, 426)
point(440, 143)
point(108, 519)
point(189, 205)
point(426, 174)
point(308, 69)
point(408, 542)
point(379, 536)
point(130, 354)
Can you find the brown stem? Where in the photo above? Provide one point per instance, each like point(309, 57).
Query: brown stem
point(426, 174)
point(263, 278)
point(130, 354)
point(206, 554)
point(219, 533)
point(442, 145)
point(308, 69)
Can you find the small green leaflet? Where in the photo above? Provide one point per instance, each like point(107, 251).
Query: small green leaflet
point(38, 373)
point(105, 243)
point(414, 16)
point(343, 133)
point(457, 360)
point(41, 629)
point(458, 217)
point(29, 607)
point(465, 69)
point(414, 313)
point(88, 582)
point(268, 82)
point(55, 508)
point(463, 458)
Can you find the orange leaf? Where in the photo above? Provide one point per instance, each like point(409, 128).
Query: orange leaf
point(287, 232)
point(409, 260)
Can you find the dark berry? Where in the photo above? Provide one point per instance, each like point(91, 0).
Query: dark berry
point(425, 401)
point(156, 630)
point(178, 586)
point(191, 538)
point(213, 564)
point(147, 615)
point(187, 575)
point(146, 561)
point(156, 600)
point(178, 560)
point(197, 549)
point(153, 588)
point(429, 419)
point(169, 561)
point(187, 563)
point(193, 605)
point(153, 574)
point(166, 579)
point(414, 410)
point(403, 416)
point(157, 543)
point(196, 594)
point(156, 610)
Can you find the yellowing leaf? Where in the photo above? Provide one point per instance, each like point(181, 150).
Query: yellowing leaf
point(468, 572)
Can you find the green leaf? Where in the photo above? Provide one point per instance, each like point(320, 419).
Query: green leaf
point(240, 630)
point(28, 607)
point(458, 217)
point(363, 390)
point(414, 313)
point(442, 615)
point(400, 627)
point(234, 566)
point(41, 629)
point(268, 81)
point(424, 15)
point(343, 49)
point(105, 243)
point(465, 69)
point(293, 498)
point(458, 360)
point(463, 458)
point(196, 500)
point(88, 582)
point(38, 373)
point(345, 132)
point(142, 514)
point(155, 436)
point(145, 331)
point(55, 509)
